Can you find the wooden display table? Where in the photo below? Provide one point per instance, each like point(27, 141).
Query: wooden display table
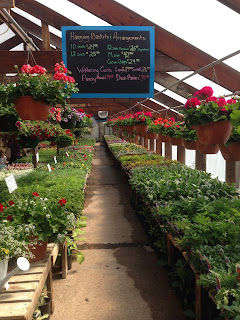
point(20, 300)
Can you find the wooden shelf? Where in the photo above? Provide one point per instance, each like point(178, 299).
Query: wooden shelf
point(19, 302)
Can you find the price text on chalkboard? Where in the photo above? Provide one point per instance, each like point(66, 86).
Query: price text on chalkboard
point(110, 61)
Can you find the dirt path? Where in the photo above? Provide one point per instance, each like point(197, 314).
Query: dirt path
point(120, 278)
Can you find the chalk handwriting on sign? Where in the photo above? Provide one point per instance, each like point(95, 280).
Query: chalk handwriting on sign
point(55, 159)
point(111, 61)
point(49, 167)
point(11, 183)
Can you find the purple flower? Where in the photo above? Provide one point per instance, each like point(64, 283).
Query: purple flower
point(65, 119)
point(69, 116)
point(18, 124)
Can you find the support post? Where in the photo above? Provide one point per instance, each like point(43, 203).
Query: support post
point(168, 151)
point(200, 162)
point(145, 142)
point(34, 157)
point(181, 154)
point(159, 146)
point(50, 287)
point(152, 144)
point(232, 172)
point(46, 36)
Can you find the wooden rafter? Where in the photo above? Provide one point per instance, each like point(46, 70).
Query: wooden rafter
point(44, 13)
point(11, 43)
point(7, 4)
point(232, 4)
point(166, 42)
point(35, 29)
point(164, 63)
point(183, 89)
point(166, 100)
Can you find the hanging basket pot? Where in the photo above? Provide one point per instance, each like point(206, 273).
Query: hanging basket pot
point(130, 129)
point(28, 142)
point(141, 128)
point(208, 149)
point(70, 124)
point(231, 152)
point(217, 132)
point(190, 145)
point(152, 135)
point(176, 141)
point(30, 109)
point(163, 137)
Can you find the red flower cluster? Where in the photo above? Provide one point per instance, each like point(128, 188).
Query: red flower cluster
point(192, 103)
point(204, 93)
point(62, 202)
point(35, 194)
point(26, 68)
point(60, 73)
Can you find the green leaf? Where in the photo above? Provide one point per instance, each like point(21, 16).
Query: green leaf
point(80, 257)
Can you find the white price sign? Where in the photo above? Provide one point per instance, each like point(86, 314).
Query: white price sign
point(49, 167)
point(67, 154)
point(11, 183)
point(37, 157)
point(55, 159)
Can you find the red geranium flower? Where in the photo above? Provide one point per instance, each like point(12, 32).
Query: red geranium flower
point(11, 203)
point(9, 218)
point(35, 194)
point(1, 207)
point(62, 202)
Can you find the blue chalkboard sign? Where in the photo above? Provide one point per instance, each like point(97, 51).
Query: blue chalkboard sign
point(110, 62)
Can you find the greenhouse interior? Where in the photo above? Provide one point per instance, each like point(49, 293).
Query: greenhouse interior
point(138, 104)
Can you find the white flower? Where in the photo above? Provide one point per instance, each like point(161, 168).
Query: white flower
point(45, 199)
point(44, 208)
point(48, 216)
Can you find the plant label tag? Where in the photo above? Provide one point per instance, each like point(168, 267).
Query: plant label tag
point(37, 157)
point(150, 153)
point(55, 159)
point(49, 167)
point(11, 183)
point(67, 154)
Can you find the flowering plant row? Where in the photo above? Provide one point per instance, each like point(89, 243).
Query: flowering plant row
point(140, 117)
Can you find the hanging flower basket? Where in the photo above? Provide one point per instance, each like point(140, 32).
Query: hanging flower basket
point(231, 152)
point(163, 137)
point(141, 128)
point(217, 132)
point(70, 124)
point(28, 142)
point(30, 109)
point(152, 135)
point(130, 129)
point(176, 141)
point(208, 149)
point(190, 145)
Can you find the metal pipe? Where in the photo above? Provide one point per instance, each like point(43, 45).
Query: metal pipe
point(25, 37)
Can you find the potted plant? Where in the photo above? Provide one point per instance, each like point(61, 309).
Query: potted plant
point(64, 139)
point(210, 116)
point(36, 91)
point(142, 121)
point(231, 150)
point(14, 241)
point(189, 137)
point(163, 128)
point(69, 117)
point(152, 131)
point(174, 131)
point(51, 220)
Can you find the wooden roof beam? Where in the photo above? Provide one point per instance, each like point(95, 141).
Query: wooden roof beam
point(11, 43)
point(165, 63)
point(232, 4)
point(182, 89)
point(36, 30)
point(44, 13)
point(166, 42)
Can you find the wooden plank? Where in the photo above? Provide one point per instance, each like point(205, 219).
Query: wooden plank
point(164, 63)
point(9, 59)
point(9, 297)
point(21, 278)
point(7, 4)
point(11, 43)
point(198, 298)
point(50, 287)
point(46, 36)
point(22, 287)
point(9, 311)
point(63, 251)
